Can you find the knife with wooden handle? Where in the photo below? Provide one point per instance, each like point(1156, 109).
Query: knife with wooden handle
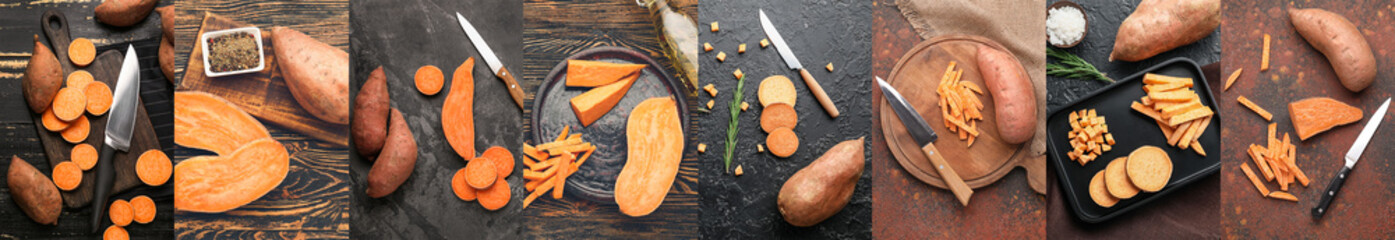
point(923, 135)
point(492, 60)
point(793, 63)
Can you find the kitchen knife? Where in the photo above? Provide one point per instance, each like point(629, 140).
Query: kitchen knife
point(492, 60)
point(121, 122)
point(793, 64)
point(925, 137)
point(1352, 155)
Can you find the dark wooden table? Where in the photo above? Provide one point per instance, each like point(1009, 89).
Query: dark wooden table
point(313, 201)
point(19, 21)
point(906, 208)
point(401, 36)
point(1188, 213)
point(819, 32)
point(1363, 208)
point(554, 30)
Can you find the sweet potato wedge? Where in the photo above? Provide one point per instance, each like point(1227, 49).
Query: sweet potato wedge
point(592, 105)
point(1319, 114)
point(586, 73)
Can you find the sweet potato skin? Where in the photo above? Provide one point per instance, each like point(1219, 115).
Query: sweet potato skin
point(124, 13)
point(397, 160)
point(166, 21)
point(369, 126)
point(42, 77)
point(167, 59)
point(1014, 100)
point(316, 73)
point(823, 188)
point(1157, 26)
point(1343, 44)
point(34, 192)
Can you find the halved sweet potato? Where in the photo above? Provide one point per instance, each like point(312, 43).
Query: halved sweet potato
point(655, 137)
point(213, 184)
point(1319, 114)
point(458, 113)
point(209, 122)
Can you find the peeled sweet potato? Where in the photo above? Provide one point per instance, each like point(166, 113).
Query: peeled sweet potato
point(594, 104)
point(34, 192)
point(1343, 44)
point(370, 123)
point(821, 189)
point(1316, 115)
point(316, 73)
point(1157, 26)
point(124, 13)
point(1014, 99)
point(42, 77)
point(208, 122)
point(458, 113)
point(397, 160)
point(654, 134)
point(213, 184)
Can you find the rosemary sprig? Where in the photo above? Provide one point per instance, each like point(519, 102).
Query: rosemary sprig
point(1071, 66)
point(731, 126)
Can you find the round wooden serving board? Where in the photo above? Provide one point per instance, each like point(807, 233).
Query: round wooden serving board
point(916, 75)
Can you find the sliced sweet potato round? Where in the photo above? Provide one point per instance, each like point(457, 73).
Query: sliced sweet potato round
point(143, 209)
point(84, 155)
point(778, 115)
point(121, 213)
point(69, 104)
point(98, 98)
point(154, 167)
point(67, 175)
point(782, 142)
point(77, 130)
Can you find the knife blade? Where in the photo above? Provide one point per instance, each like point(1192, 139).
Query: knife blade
point(925, 137)
point(491, 60)
point(1352, 156)
point(793, 63)
point(121, 122)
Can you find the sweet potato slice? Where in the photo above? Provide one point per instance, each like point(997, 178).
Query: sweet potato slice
point(586, 73)
point(98, 98)
point(212, 184)
point(84, 155)
point(33, 192)
point(143, 209)
point(115, 232)
point(481, 174)
point(429, 80)
point(782, 142)
point(461, 186)
point(208, 122)
point(458, 113)
point(69, 104)
point(654, 135)
point(154, 167)
point(78, 130)
point(496, 196)
point(502, 158)
point(1319, 114)
point(592, 105)
point(778, 115)
point(52, 123)
point(121, 213)
point(81, 52)
point(79, 79)
point(67, 175)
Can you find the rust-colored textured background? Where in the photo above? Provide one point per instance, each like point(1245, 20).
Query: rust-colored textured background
point(1363, 208)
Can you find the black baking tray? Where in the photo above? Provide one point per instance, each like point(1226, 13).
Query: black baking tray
point(1131, 130)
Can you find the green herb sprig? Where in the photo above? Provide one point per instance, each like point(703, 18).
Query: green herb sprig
point(731, 126)
point(1072, 66)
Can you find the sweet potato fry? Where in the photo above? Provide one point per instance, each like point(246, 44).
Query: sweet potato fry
point(1259, 185)
point(1231, 80)
point(1264, 57)
point(1258, 110)
point(1283, 195)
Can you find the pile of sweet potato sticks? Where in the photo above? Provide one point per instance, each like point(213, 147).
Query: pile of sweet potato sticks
point(549, 164)
point(1277, 163)
point(959, 104)
point(1176, 108)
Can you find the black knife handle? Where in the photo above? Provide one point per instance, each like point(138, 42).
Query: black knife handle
point(1331, 191)
point(105, 176)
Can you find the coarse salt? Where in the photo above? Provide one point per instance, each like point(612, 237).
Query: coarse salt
point(1065, 25)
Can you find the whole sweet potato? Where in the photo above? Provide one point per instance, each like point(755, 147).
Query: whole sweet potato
point(1343, 44)
point(34, 192)
point(167, 59)
point(166, 21)
point(1161, 25)
point(1014, 100)
point(124, 13)
point(397, 160)
point(369, 126)
point(316, 73)
point(821, 189)
point(42, 77)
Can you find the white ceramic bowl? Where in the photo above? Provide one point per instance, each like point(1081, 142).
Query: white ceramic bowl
point(256, 35)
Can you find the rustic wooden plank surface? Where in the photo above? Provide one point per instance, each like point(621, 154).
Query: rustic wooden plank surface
point(1362, 209)
point(19, 21)
point(1006, 209)
point(554, 30)
point(313, 201)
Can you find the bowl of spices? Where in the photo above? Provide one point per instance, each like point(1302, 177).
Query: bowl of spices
point(232, 51)
point(1066, 24)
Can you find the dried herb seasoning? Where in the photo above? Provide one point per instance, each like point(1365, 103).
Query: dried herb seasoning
point(232, 52)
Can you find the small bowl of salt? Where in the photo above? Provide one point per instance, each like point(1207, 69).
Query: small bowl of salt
point(1066, 24)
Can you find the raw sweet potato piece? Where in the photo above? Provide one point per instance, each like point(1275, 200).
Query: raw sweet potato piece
point(458, 113)
point(782, 142)
point(496, 196)
point(142, 209)
point(69, 104)
point(821, 189)
point(461, 187)
point(79, 79)
point(81, 52)
point(208, 122)
point(123, 13)
point(84, 155)
point(397, 160)
point(52, 123)
point(154, 167)
point(33, 192)
point(1319, 114)
point(213, 184)
point(121, 213)
point(502, 158)
point(654, 134)
point(42, 77)
point(429, 80)
point(78, 130)
point(67, 175)
point(1341, 41)
point(586, 73)
point(481, 174)
point(591, 105)
point(778, 115)
point(370, 123)
point(98, 98)
point(316, 73)
point(115, 232)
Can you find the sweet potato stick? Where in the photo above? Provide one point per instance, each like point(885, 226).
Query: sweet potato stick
point(1258, 110)
point(1264, 59)
point(1231, 80)
point(1259, 185)
point(1283, 195)
point(1258, 158)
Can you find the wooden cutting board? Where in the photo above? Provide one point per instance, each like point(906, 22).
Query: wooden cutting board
point(989, 159)
point(105, 68)
point(262, 94)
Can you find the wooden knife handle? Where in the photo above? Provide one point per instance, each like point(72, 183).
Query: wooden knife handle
point(956, 184)
point(509, 82)
point(1331, 191)
point(819, 93)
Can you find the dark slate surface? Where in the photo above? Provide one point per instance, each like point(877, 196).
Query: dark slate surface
point(402, 36)
point(819, 32)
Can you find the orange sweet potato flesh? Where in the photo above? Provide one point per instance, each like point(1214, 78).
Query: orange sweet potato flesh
point(42, 77)
point(654, 134)
point(458, 113)
point(370, 123)
point(592, 105)
point(98, 98)
point(316, 73)
point(33, 192)
point(1319, 114)
point(214, 184)
point(585, 73)
point(209, 122)
point(502, 158)
point(396, 162)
